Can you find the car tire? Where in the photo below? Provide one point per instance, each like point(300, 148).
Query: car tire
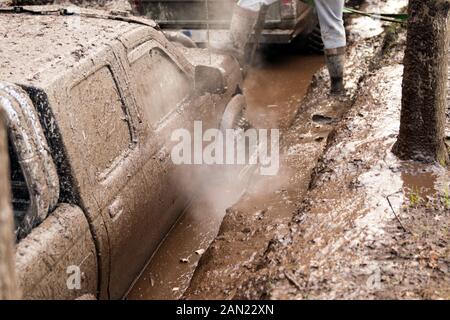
point(314, 43)
point(233, 112)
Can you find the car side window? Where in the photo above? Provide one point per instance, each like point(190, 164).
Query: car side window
point(160, 84)
point(99, 119)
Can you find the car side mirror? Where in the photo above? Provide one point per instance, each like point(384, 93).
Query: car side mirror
point(209, 80)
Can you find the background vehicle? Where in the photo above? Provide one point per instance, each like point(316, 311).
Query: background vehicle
point(286, 20)
point(91, 101)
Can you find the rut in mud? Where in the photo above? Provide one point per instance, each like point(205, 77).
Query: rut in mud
point(342, 219)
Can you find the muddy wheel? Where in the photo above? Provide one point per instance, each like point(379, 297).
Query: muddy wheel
point(314, 43)
point(233, 116)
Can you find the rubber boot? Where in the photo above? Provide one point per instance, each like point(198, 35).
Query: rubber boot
point(242, 26)
point(335, 59)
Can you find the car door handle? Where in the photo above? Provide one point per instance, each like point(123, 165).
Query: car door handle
point(115, 209)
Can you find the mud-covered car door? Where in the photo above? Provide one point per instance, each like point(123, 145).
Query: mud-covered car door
point(118, 161)
point(164, 95)
point(162, 91)
point(99, 129)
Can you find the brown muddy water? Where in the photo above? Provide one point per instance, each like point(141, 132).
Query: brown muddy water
point(424, 183)
point(274, 88)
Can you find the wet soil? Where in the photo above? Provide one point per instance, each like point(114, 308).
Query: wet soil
point(274, 87)
point(371, 226)
point(273, 90)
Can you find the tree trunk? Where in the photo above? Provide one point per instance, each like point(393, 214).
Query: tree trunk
point(8, 284)
point(424, 100)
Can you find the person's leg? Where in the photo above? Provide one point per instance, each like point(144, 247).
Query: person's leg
point(331, 21)
point(243, 21)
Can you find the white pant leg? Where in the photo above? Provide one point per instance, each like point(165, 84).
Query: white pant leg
point(254, 5)
point(330, 14)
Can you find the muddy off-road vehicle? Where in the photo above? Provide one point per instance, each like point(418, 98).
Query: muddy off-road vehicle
point(286, 20)
point(91, 101)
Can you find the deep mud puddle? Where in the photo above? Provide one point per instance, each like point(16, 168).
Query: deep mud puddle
point(275, 87)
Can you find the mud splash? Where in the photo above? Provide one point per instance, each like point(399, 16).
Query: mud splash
point(274, 91)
